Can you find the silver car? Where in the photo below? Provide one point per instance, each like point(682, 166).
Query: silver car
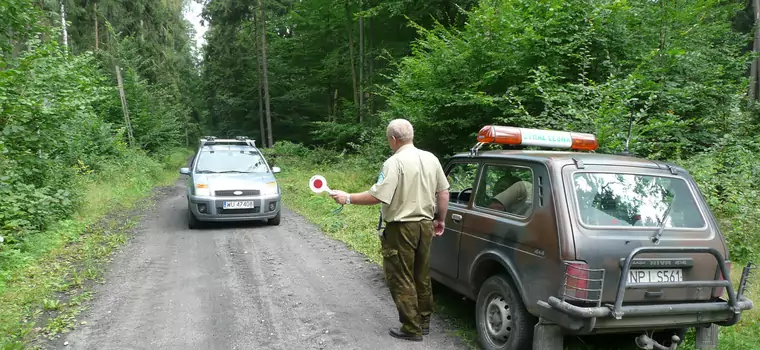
point(229, 180)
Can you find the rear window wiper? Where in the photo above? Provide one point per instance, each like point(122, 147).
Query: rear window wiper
point(661, 225)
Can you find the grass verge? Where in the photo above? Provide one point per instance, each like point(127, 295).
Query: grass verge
point(355, 226)
point(44, 284)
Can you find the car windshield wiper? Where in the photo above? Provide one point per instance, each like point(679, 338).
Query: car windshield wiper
point(661, 225)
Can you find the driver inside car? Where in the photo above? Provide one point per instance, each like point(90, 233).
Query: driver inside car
point(514, 199)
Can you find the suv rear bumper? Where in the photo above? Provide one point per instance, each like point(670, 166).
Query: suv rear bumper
point(266, 207)
point(609, 317)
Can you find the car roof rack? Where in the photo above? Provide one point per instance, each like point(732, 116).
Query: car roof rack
point(238, 140)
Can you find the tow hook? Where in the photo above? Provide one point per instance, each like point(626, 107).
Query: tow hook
point(645, 342)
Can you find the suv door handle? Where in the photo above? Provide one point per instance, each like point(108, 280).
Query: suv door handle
point(456, 218)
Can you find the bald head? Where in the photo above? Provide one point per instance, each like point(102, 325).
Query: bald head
point(401, 130)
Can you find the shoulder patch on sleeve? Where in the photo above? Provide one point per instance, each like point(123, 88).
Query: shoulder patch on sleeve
point(380, 177)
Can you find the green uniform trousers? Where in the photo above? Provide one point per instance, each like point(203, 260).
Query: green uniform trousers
point(406, 260)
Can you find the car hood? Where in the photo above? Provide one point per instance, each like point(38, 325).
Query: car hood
point(233, 181)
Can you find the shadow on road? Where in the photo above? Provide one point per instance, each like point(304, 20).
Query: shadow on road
point(460, 312)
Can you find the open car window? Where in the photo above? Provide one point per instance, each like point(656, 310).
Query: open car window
point(461, 178)
point(630, 200)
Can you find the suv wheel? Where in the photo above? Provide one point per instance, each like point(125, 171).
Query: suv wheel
point(275, 220)
point(502, 320)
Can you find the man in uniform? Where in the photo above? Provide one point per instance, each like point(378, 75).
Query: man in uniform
point(410, 187)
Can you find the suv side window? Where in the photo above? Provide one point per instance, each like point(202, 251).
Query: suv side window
point(461, 178)
point(506, 188)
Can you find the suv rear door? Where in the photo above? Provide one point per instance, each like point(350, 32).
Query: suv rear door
point(615, 209)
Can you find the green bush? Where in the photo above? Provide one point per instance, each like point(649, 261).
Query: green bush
point(728, 178)
point(58, 116)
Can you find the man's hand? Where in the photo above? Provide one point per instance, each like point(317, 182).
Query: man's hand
point(438, 226)
point(340, 197)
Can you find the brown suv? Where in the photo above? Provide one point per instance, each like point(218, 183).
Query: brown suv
point(552, 243)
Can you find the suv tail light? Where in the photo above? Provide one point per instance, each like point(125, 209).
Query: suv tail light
point(576, 280)
point(718, 292)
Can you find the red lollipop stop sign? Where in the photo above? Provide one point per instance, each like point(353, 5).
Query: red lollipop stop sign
point(318, 184)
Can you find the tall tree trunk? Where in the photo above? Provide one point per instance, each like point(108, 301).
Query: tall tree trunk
point(335, 106)
point(371, 66)
point(256, 46)
point(351, 51)
point(63, 29)
point(329, 104)
point(264, 68)
point(756, 47)
point(361, 64)
point(95, 17)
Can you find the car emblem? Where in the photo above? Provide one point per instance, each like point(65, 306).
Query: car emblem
point(237, 193)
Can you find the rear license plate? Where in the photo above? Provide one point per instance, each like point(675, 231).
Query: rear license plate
point(655, 276)
point(238, 205)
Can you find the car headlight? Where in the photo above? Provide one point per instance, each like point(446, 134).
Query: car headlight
point(269, 188)
point(202, 190)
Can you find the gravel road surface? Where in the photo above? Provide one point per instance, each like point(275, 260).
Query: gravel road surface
point(248, 286)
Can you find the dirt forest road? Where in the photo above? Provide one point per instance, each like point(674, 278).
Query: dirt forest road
point(248, 286)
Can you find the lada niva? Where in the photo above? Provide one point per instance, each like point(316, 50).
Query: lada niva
point(552, 243)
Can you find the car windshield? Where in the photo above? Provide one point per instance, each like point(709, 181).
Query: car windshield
point(230, 161)
point(628, 200)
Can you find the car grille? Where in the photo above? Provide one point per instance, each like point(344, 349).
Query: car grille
point(238, 211)
point(231, 193)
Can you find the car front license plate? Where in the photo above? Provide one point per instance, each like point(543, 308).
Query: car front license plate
point(238, 205)
point(655, 276)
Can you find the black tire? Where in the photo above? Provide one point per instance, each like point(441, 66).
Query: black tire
point(192, 222)
point(275, 221)
point(501, 300)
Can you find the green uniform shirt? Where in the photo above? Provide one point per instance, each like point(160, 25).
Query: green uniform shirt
point(408, 184)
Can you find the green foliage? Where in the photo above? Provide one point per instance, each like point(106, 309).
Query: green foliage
point(48, 127)
point(314, 80)
point(61, 117)
point(678, 70)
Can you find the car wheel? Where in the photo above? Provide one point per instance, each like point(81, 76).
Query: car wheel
point(275, 220)
point(502, 320)
point(192, 222)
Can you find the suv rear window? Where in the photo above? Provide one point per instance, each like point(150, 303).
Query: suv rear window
point(631, 200)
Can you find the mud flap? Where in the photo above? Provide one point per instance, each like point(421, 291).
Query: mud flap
point(547, 336)
point(707, 337)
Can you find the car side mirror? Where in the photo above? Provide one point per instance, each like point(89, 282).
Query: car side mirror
point(276, 169)
point(184, 171)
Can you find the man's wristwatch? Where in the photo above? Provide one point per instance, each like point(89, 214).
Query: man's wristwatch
point(348, 199)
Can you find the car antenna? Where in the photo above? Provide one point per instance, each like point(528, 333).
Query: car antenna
point(626, 152)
